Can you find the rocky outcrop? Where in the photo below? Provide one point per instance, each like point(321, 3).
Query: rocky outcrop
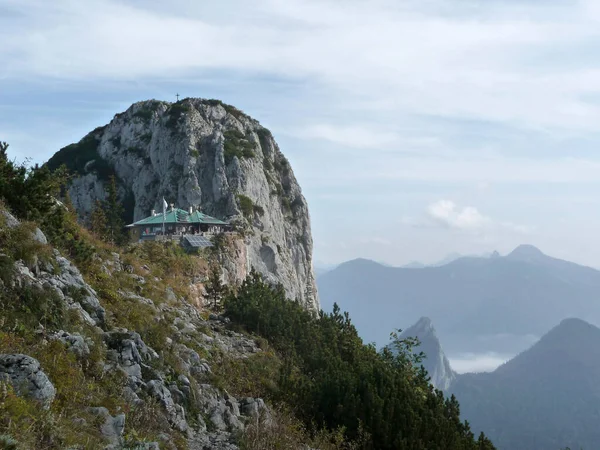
point(203, 153)
point(75, 343)
point(27, 378)
point(436, 363)
point(112, 428)
point(176, 385)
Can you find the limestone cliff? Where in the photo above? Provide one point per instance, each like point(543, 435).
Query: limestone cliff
point(202, 153)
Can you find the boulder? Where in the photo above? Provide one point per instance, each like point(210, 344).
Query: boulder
point(27, 378)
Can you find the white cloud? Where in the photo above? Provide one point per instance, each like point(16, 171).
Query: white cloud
point(377, 56)
point(447, 213)
point(466, 218)
point(472, 363)
point(349, 136)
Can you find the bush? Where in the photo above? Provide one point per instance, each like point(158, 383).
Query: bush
point(246, 205)
point(236, 145)
point(145, 114)
point(75, 157)
point(175, 112)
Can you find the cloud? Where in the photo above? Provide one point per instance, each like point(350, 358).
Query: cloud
point(464, 218)
point(366, 137)
point(422, 59)
point(447, 213)
point(349, 136)
point(478, 362)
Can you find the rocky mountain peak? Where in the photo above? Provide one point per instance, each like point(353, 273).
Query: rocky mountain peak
point(424, 327)
point(526, 252)
point(202, 153)
point(436, 363)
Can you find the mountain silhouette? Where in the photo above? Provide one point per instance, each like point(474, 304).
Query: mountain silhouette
point(498, 303)
point(547, 397)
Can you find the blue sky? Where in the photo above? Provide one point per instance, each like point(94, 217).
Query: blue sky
point(416, 128)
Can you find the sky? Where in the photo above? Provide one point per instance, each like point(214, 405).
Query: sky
point(416, 128)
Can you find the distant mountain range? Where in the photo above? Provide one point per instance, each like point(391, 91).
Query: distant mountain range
point(478, 304)
point(442, 262)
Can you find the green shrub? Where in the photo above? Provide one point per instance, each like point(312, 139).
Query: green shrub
point(236, 144)
point(255, 376)
point(175, 112)
point(264, 137)
point(144, 114)
point(116, 142)
point(75, 157)
point(246, 205)
point(146, 138)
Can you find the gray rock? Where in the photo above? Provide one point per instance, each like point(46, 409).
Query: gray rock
point(27, 378)
point(144, 446)
point(170, 294)
point(183, 380)
point(252, 406)
point(234, 424)
point(175, 413)
point(190, 167)
point(177, 395)
point(39, 236)
point(127, 350)
point(69, 280)
point(112, 427)
point(191, 361)
point(10, 221)
point(74, 342)
point(217, 418)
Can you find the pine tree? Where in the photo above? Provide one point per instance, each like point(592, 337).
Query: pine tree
point(215, 290)
point(98, 221)
point(114, 214)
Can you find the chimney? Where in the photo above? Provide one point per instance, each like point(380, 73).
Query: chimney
point(172, 206)
point(191, 209)
point(153, 213)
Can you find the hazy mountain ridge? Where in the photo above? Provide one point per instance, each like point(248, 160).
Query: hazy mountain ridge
point(520, 294)
point(546, 397)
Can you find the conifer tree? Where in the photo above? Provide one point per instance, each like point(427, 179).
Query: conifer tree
point(98, 221)
point(114, 214)
point(215, 290)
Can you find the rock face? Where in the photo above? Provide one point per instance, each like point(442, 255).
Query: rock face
point(202, 153)
point(435, 362)
point(27, 378)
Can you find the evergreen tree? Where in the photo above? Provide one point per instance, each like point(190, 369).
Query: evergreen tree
point(114, 214)
point(334, 381)
point(98, 222)
point(215, 290)
point(30, 193)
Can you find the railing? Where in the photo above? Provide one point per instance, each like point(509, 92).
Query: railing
point(179, 236)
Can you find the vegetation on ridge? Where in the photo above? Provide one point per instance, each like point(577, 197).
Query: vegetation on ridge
point(334, 381)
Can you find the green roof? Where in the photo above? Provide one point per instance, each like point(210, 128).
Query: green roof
point(179, 216)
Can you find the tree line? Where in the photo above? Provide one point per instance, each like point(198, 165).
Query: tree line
point(382, 400)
